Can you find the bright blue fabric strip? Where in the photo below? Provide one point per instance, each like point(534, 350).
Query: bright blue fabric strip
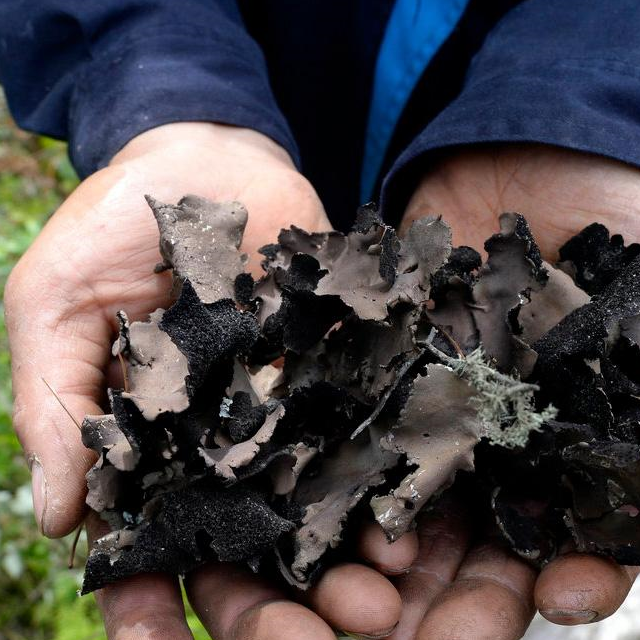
point(415, 32)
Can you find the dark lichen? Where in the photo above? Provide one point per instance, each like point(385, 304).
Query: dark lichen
point(367, 370)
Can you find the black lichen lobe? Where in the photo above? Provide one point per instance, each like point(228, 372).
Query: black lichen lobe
point(208, 335)
point(187, 527)
point(594, 259)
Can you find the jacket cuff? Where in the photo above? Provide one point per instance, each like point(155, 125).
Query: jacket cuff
point(172, 77)
point(583, 106)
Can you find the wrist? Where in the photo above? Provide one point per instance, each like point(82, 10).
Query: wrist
point(177, 137)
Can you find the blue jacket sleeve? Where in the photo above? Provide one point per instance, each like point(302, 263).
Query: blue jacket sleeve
point(99, 73)
point(560, 72)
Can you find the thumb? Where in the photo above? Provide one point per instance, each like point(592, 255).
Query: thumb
point(52, 338)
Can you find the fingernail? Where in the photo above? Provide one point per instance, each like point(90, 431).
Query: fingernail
point(38, 492)
point(562, 616)
point(366, 636)
point(392, 571)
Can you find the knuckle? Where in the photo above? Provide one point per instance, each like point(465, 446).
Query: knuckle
point(153, 626)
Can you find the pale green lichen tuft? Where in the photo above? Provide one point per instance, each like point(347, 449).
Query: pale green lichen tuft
point(505, 404)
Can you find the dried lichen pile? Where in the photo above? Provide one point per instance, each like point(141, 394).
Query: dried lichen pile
point(368, 369)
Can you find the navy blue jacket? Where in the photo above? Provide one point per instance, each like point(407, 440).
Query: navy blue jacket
point(362, 93)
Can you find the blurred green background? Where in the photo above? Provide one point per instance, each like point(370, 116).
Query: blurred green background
point(38, 599)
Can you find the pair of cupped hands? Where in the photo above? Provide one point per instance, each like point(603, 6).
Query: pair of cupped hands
point(446, 580)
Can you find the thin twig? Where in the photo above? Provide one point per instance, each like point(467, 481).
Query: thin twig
point(62, 404)
point(452, 342)
point(74, 544)
point(376, 412)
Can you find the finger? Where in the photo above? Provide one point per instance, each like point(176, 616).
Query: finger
point(356, 599)
point(490, 599)
point(69, 352)
point(443, 542)
point(579, 588)
point(141, 607)
point(389, 558)
point(234, 604)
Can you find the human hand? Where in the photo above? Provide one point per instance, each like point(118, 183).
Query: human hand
point(97, 255)
point(481, 590)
